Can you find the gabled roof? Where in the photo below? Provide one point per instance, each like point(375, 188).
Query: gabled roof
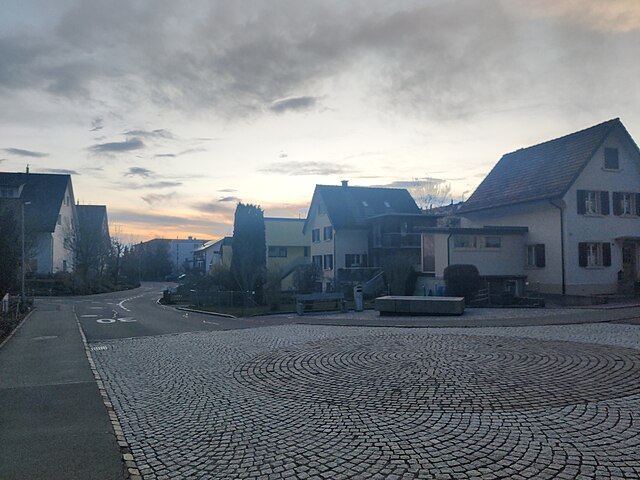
point(92, 218)
point(45, 192)
point(540, 172)
point(352, 206)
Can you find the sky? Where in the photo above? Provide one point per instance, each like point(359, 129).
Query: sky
point(171, 112)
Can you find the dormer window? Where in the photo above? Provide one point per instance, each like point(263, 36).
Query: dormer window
point(611, 160)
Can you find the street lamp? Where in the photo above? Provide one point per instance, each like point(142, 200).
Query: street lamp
point(22, 273)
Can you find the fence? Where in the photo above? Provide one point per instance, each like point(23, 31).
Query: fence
point(11, 312)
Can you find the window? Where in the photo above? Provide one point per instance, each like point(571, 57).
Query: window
point(592, 202)
point(327, 233)
point(66, 200)
point(317, 260)
point(328, 262)
point(594, 254)
point(464, 241)
point(315, 235)
point(64, 266)
point(492, 242)
point(536, 256)
point(611, 160)
point(626, 203)
point(306, 251)
point(59, 219)
point(278, 252)
point(355, 260)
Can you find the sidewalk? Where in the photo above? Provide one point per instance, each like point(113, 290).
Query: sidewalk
point(53, 423)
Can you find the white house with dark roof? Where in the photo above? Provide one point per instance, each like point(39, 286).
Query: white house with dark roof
point(579, 198)
point(50, 216)
point(352, 229)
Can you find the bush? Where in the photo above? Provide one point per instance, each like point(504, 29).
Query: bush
point(462, 281)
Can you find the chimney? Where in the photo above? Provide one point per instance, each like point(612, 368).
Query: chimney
point(345, 183)
point(27, 169)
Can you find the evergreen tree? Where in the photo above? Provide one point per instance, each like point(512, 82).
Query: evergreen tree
point(248, 263)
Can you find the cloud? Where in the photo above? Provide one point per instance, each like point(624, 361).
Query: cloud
point(25, 153)
point(282, 155)
point(155, 198)
point(162, 184)
point(96, 124)
point(229, 199)
point(166, 155)
point(139, 172)
point(158, 133)
point(117, 147)
point(158, 220)
point(609, 16)
point(293, 104)
point(227, 190)
point(213, 207)
point(306, 168)
point(62, 171)
point(415, 183)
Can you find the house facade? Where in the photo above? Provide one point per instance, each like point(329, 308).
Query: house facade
point(287, 247)
point(578, 197)
point(353, 230)
point(50, 217)
point(212, 254)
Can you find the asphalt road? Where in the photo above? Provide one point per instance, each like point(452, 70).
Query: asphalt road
point(136, 313)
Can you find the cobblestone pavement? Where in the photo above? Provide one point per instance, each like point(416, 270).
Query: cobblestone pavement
point(323, 402)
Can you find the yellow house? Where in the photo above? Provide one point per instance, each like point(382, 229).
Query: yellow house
point(287, 247)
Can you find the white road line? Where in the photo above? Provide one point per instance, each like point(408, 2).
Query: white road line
point(210, 323)
point(122, 306)
point(88, 316)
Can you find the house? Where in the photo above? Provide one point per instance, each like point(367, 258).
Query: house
point(50, 217)
point(355, 229)
point(287, 247)
point(578, 196)
point(213, 253)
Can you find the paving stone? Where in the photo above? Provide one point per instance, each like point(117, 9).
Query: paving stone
point(321, 402)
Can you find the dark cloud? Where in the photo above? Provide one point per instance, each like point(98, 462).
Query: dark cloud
point(24, 153)
point(63, 171)
point(155, 198)
point(165, 155)
point(414, 183)
point(116, 147)
point(135, 217)
point(212, 207)
point(293, 104)
point(139, 172)
point(229, 199)
point(228, 190)
point(306, 168)
point(158, 133)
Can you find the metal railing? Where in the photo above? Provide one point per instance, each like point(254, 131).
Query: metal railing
point(397, 240)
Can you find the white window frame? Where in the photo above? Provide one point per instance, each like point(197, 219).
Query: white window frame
point(493, 247)
point(627, 203)
point(473, 242)
point(315, 238)
point(592, 202)
point(594, 254)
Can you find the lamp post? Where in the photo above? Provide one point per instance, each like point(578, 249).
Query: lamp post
point(22, 273)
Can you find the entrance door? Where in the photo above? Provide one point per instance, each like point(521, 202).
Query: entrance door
point(629, 261)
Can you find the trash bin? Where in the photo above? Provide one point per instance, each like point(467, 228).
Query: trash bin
point(358, 298)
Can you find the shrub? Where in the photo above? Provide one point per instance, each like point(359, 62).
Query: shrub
point(462, 281)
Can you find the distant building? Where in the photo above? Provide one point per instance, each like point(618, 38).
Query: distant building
point(213, 253)
point(287, 247)
point(50, 217)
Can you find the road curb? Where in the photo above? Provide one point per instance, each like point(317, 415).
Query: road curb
point(133, 472)
point(204, 312)
point(17, 327)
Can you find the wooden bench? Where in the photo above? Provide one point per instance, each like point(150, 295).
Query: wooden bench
point(307, 300)
point(398, 305)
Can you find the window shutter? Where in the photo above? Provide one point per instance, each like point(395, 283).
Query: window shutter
point(617, 203)
point(604, 203)
point(540, 257)
point(638, 204)
point(581, 206)
point(606, 254)
point(582, 254)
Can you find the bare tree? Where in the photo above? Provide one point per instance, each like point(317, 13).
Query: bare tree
point(429, 192)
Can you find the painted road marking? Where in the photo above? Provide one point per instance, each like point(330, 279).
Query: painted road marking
point(96, 308)
point(106, 320)
point(114, 320)
point(100, 347)
point(126, 319)
point(88, 316)
point(210, 323)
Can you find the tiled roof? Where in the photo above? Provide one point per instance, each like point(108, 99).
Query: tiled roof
point(91, 218)
point(539, 172)
point(45, 191)
point(352, 206)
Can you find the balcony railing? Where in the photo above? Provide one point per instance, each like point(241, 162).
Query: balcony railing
point(397, 240)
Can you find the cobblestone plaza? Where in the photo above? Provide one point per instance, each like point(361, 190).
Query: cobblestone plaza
point(328, 402)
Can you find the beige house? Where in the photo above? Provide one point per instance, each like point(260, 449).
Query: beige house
point(287, 247)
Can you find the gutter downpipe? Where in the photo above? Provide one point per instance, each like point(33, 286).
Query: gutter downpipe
point(564, 287)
